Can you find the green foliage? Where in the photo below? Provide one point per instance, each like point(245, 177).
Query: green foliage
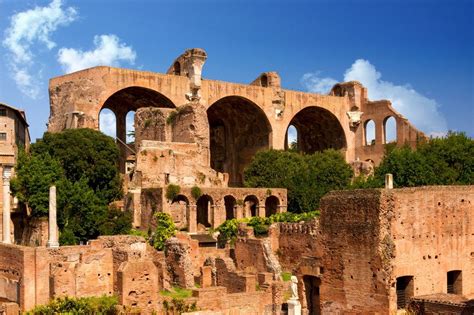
point(179, 306)
point(171, 117)
point(117, 223)
point(34, 175)
point(82, 163)
point(196, 192)
point(138, 233)
point(229, 229)
point(85, 305)
point(172, 191)
point(286, 276)
point(307, 177)
point(439, 161)
point(177, 293)
point(85, 153)
point(165, 229)
point(80, 210)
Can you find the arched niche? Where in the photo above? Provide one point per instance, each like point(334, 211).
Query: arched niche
point(271, 205)
point(390, 129)
point(369, 132)
point(251, 206)
point(204, 209)
point(230, 204)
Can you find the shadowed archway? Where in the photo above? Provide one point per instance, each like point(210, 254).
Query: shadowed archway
point(238, 129)
point(318, 130)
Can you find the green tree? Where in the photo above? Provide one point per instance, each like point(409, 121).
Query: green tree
point(85, 153)
point(439, 161)
point(307, 177)
point(34, 175)
point(165, 229)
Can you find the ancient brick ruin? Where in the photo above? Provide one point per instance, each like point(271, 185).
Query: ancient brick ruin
point(371, 251)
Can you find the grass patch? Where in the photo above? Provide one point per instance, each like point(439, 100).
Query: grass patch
point(177, 293)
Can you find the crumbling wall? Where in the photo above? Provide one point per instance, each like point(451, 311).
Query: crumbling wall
point(296, 240)
point(256, 255)
point(356, 267)
point(433, 233)
point(137, 284)
point(180, 266)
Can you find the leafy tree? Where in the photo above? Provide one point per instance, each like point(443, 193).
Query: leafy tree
point(85, 153)
point(34, 175)
point(307, 177)
point(438, 161)
point(165, 229)
point(118, 222)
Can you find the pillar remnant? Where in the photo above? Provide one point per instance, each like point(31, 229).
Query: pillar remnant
point(52, 223)
point(6, 204)
point(388, 181)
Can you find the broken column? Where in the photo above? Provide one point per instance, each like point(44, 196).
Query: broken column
point(52, 224)
point(6, 204)
point(388, 181)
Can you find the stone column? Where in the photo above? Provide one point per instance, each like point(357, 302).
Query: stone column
point(6, 207)
point(388, 181)
point(52, 226)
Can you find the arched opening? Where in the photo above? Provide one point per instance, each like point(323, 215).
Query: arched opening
point(204, 212)
point(130, 126)
point(177, 68)
point(126, 100)
point(238, 129)
point(390, 129)
point(230, 204)
point(291, 141)
point(318, 130)
point(369, 129)
point(179, 210)
point(251, 206)
point(107, 122)
point(271, 205)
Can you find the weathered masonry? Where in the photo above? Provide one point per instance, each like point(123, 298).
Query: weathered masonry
point(192, 131)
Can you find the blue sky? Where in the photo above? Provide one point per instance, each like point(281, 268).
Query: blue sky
point(417, 53)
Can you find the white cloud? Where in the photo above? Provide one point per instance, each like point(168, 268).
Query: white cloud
point(108, 51)
point(313, 82)
point(27, 29)
point(420, 110)
point(107, 122)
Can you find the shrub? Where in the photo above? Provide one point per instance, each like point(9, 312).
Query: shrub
point(196, 192)
point(165, 229)
point(229, 229)
point(85, 305)
point(307, 177)
point(172, 191)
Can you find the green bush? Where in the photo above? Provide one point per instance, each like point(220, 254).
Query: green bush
point(86, 305)
point(229, 229)
point(439, 161)
point(196, 192)
point(172, 191)
point(165, 229)
point(307, 177)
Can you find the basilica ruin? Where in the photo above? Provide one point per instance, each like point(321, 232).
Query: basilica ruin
point(371, 251)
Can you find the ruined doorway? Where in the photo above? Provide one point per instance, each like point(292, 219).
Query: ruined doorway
point(271, 205)
point(317, 130)
point(238, 129)
point(251, 206)
point(204, 212)
point(179, 210)
point(405, 290)
point(312, 294)
point(229, 202)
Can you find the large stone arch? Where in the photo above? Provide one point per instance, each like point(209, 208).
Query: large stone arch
point(129, 99)
point(238, 128)
point(318, 129)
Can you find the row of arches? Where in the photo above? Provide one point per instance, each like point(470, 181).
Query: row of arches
point(389, 131)
point(205, 208)
point(238, 128)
